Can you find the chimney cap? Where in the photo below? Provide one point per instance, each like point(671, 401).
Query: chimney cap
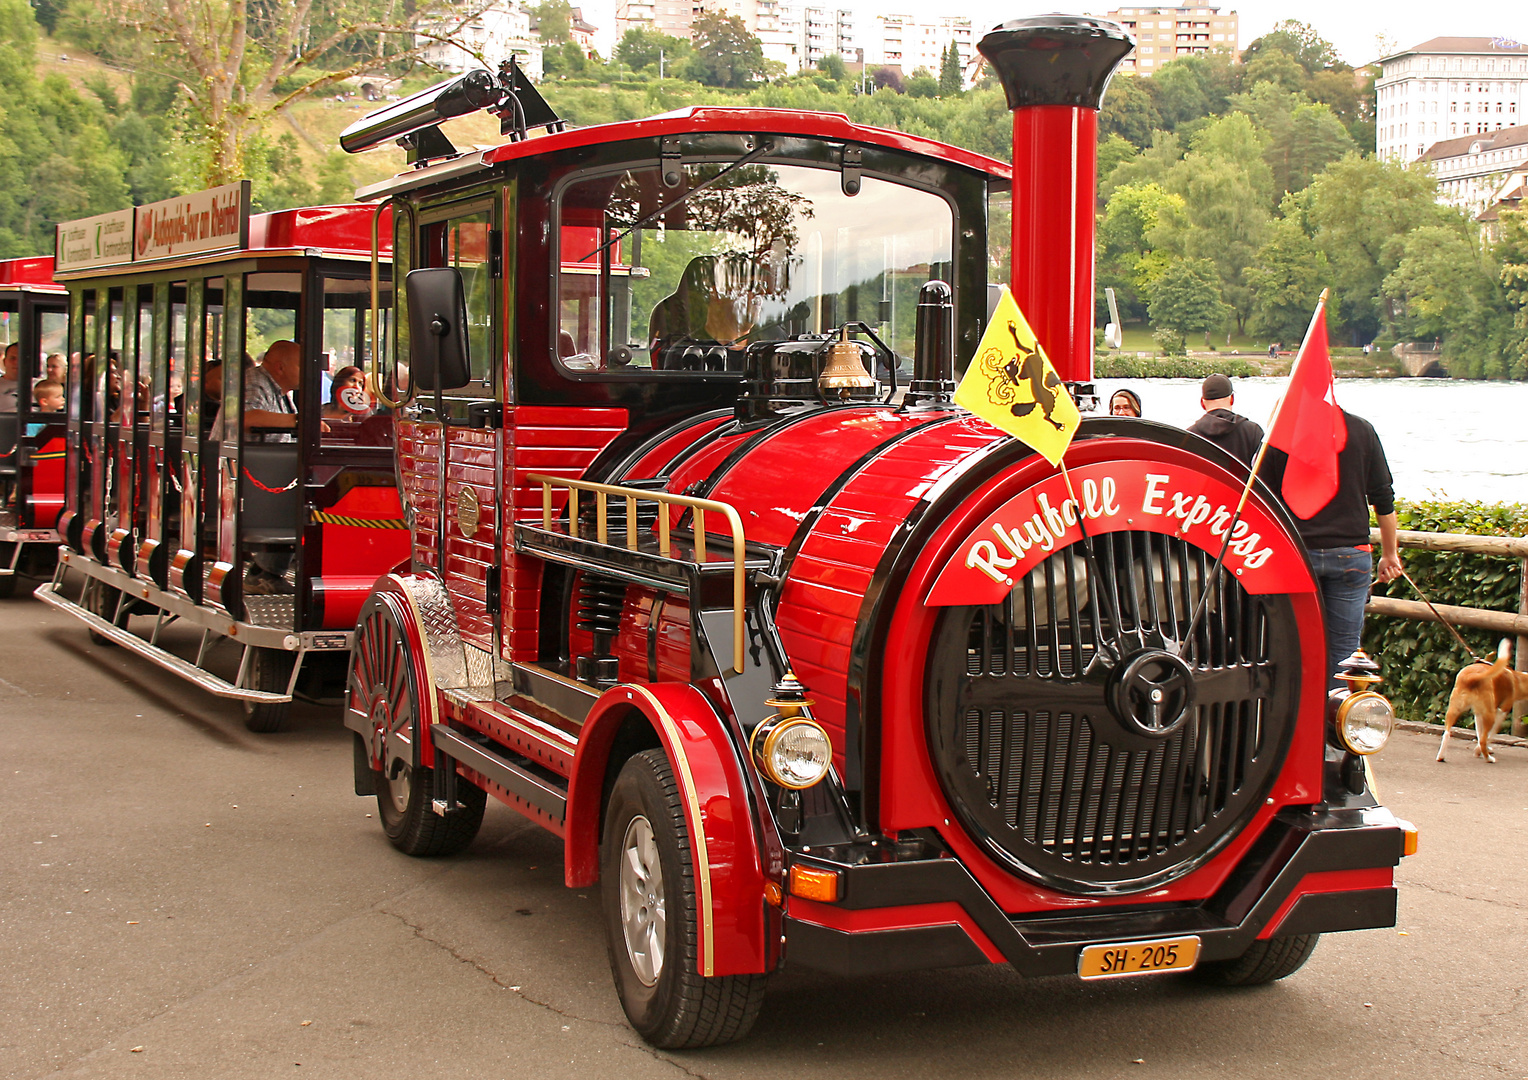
point(1056, 59)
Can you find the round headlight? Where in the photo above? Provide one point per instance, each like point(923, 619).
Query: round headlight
point(796, 753)
point(1364, 722)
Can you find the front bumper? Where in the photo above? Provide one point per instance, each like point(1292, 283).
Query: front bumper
point(1311, 871)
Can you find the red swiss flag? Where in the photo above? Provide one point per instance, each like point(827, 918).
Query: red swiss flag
point(1310, 428)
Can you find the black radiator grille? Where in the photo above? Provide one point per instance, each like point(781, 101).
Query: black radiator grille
point(1032, 758)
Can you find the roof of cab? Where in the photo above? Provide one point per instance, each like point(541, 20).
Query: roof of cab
point(700, 118)
point(696, 118)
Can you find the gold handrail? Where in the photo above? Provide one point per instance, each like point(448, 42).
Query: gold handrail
point(663, 499)
point(375, 374)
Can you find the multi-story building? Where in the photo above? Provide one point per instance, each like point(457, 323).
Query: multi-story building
point(1473, 170)
point(1163, 34)
point(910, 42)
point(496, 32)
point(1445, 88)
point(824, 32)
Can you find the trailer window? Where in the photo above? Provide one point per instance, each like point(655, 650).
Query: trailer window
point(352, 413)
point(764, 252)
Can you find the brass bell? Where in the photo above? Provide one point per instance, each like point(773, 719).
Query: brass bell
point(845, 369)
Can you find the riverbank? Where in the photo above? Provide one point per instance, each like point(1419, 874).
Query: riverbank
point(1346, 364)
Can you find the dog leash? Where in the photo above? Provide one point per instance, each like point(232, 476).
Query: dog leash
point(1447, 625)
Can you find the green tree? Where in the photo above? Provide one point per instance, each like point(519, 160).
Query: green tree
point(1279, 68)
point(640, 49)
point(726, 54)
point(1299, 138)
point(57, 160)
point(1447, 287)
point(1186, 298)
point(1286, 281)
point(553, 20)
point(1299, 41)
point(1150, 166)
point(1129, 111)
point(1178, 95)
point(922, 84)
point(1126, 257)
point(951, 78)
point(833, 67)
point(1112, 153)
point(1359, 211)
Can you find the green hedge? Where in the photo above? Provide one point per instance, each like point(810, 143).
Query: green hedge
point(1172, 367)
point(1420, 659)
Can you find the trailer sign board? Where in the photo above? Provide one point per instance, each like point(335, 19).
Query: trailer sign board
point(212, 220)
point(190, 224)
point(102, 240)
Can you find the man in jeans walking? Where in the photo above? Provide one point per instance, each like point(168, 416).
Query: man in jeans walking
point(1337, 536)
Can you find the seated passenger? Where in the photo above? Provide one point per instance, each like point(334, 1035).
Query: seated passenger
point(49, 396)
point(58, 368)
point(349, 399)
point(10, 370)
point(700, 312)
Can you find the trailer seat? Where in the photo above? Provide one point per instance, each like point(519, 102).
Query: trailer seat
point(272, 499)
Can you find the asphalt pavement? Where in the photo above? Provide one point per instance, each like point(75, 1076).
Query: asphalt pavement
point(181, 898)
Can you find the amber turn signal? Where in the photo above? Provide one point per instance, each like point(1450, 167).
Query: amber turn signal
point(1412, 835)
point(812, 884)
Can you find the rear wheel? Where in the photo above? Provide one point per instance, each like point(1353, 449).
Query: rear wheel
point(382, 686)
point(270, 670)
point(7, 586)
point(648, 894)
point(102, 600)
point(1266, 961)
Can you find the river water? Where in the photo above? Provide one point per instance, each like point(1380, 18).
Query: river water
point(1444, 438)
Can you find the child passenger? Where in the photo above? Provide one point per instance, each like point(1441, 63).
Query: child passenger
point(49, 396)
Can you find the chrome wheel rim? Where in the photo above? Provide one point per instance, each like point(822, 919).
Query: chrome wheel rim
point(644, 921)
point(399, 784)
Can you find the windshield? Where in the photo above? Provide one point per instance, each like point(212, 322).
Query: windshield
point(764, 253)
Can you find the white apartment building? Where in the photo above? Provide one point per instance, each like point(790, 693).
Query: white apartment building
point(910, 42)
point(1448, 87)
point(1163, 34)
point(824, 32)
point(499, 30)
point(775, 23)
point(1474, 170)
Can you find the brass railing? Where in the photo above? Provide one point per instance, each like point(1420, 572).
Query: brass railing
point(664, 499)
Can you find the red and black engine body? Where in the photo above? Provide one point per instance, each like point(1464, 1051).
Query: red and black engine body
point(1036, 745)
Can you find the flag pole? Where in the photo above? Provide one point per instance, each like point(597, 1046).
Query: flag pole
point(1214, 576)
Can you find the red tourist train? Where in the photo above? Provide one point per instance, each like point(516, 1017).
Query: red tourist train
point(260, 532)
point(33, 320)
point(804, 663)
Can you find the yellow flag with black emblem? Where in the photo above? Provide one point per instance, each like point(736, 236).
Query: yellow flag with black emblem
point(1011, 384)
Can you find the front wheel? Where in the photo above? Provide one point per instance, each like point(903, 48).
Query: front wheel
point(648, 896)
point(1266, 961)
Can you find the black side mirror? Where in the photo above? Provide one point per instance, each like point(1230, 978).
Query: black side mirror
point(438, 328)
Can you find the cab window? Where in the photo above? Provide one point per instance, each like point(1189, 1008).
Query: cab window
point(763, 252)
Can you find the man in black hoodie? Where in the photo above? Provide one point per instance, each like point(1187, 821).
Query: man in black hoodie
point(1230, 431)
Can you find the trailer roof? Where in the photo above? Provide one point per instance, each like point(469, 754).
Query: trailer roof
point(697, 118)
point(31, 274)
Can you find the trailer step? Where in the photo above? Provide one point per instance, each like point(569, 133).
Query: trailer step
point(118, 635)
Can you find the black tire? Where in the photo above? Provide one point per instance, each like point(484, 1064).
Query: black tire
point(269, 670)
point(383, 687)
point(7, 586)
point(671, 1004)
point(411, 823)
point(102, 600)
point(1266, 961)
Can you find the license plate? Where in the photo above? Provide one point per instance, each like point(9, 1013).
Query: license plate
point(1138, 958)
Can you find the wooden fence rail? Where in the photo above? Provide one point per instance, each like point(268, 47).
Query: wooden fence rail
point(1501, 622)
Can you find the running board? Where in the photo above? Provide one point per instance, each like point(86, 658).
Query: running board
point(118, 635)
point(546, 797)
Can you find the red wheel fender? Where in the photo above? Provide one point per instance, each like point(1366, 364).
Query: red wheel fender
point(399, 594)
point(729, 877)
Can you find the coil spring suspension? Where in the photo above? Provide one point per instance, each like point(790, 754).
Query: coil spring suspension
point(600, 602)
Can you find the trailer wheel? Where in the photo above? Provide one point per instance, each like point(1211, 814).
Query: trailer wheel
point(102, 600)
point(7, 585)
point(648, 894)
point(1267, 960)
point(270, 670)
point(383, 685)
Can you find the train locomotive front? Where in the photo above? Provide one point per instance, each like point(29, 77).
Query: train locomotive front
point(807, 666)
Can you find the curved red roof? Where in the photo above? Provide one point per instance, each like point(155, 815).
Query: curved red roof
point(764, 121)
point(342, 229)
point(32, 272)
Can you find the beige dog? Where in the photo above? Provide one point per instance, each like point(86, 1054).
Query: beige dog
point(1490, 690)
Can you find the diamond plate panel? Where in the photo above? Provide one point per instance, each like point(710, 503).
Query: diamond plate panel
point(447, 657)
